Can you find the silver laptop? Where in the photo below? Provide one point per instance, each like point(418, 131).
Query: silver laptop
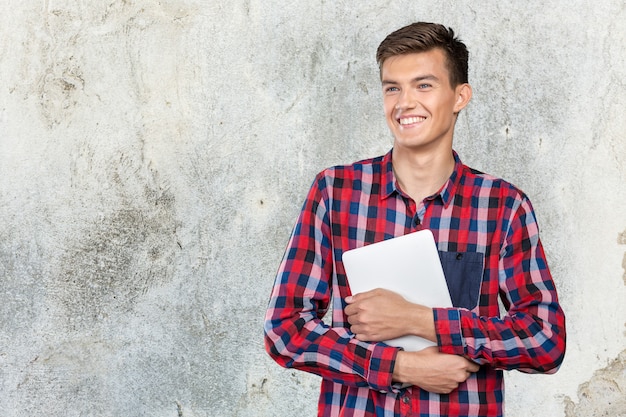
point(408, 265)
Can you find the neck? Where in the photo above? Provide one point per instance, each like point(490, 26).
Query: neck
point(422, 175)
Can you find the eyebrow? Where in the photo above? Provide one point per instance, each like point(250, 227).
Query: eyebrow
point(414, 80)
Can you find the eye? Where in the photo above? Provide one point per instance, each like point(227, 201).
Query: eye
point(424, 86)
point(391, 89)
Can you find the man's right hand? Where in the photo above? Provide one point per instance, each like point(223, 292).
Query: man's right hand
point(432, 370)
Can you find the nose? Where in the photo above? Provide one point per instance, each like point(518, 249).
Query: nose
point(406, 100)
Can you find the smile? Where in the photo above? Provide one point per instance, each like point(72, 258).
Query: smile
point(411, 120)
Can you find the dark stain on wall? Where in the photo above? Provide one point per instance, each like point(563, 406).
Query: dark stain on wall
point(120, 256)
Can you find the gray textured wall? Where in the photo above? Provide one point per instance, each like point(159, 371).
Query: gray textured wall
point(154, 156)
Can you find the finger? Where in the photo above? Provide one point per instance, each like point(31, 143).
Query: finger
point(356, 330)
point(473, 367)
point(350, 310)
point(353, 320)
point(351, 299)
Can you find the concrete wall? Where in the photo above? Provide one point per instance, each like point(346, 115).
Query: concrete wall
point(154, 156)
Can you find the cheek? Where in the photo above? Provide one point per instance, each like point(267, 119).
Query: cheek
point(444, 110)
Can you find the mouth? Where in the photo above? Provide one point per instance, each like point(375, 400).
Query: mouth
point(405, 121)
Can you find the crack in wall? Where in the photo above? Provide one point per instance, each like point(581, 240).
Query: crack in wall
point(621, 240)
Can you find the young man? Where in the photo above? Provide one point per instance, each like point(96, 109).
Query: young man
point(488, 241)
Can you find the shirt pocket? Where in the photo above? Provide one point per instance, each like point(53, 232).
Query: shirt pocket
point(464, 274)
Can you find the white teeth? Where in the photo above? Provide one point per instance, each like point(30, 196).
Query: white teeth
point(411, 120)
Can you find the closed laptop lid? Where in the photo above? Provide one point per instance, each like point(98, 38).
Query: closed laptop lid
point(408, 265)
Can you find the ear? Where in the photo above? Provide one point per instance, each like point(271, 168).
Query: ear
point(463, 96)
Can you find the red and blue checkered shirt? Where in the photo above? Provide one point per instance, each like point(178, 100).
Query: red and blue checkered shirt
point(474, 216)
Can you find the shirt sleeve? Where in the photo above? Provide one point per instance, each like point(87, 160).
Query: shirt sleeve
point(295, 335)
point(531, 336)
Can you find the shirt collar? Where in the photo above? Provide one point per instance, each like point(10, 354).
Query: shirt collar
point(449, 188)
point(388, 180)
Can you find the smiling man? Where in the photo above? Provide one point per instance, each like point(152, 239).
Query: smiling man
point(488, 242)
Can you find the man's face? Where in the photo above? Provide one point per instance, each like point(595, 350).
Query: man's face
point(420, 104)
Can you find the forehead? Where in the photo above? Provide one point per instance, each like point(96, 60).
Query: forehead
point(417, 64)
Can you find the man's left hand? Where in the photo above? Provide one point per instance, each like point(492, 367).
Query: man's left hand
point(380, 314)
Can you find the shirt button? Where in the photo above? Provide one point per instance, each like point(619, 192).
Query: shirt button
point(406, 400)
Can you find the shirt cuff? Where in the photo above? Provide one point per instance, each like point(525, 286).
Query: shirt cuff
point(381, 364)
point(448, 329)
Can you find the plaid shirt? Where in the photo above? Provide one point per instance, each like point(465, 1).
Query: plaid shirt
point(483, 221)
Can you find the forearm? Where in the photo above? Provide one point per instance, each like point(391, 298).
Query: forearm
point(527, 341)
point(330, 352)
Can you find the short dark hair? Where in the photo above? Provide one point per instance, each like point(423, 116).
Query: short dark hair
point(423, 37)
